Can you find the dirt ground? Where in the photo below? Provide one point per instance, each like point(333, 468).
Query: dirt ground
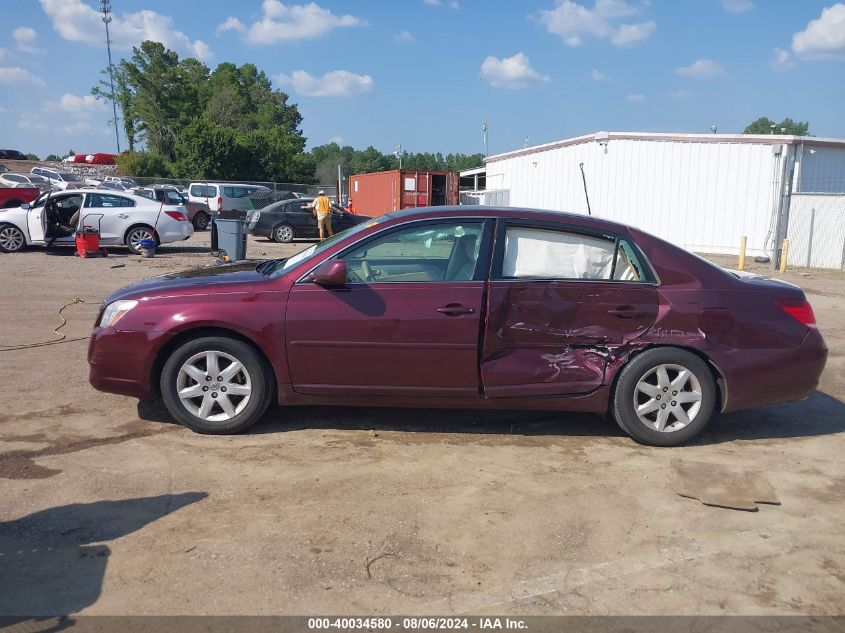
point(368, 511)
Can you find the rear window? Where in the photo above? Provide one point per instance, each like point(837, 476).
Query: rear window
point(238, 191)
point(68, 177)
point(107, 201)
point(204, 191)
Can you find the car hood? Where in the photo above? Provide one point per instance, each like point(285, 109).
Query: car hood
point(227, 277)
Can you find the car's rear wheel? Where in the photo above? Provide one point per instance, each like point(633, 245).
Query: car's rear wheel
point(136, 234)
point(283, 233)
point(201, 221)
point(12, 239)
point(664, 396)
point(216, 385)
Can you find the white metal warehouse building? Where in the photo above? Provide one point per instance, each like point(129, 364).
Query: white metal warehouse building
point(700, 191)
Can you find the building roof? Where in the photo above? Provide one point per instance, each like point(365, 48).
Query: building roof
point(604, 137)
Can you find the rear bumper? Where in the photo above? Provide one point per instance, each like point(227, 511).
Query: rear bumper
point(759, 377)
point(122, 362)
point(175, 232)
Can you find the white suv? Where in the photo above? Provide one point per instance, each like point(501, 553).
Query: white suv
point(230, 196)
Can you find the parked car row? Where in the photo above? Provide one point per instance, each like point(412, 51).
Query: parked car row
point(121, 218)
point(198, 213)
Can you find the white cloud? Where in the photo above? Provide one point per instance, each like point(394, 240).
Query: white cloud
point(404, 37)
point(231, 24)
point(336, 139)
point(82, 127)
point(782, 60)
point(737, 6)
point(25, 40)
point(17, 75)
point(281, 22)
point(700, 69)
point(629, 34)
point(513, 73)
point(574, 22)
point(77, 106)
point(679, 94)
point(78, 22)
point(453, 4)
point(635, 98)
point(337, 83)
point(824, 37)
point(599, 75)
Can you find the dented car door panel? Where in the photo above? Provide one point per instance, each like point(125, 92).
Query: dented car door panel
point(547, 338)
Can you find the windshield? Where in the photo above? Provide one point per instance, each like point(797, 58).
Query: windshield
point(70, 177)
point(281, 266)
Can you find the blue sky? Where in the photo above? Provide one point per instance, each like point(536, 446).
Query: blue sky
point(425, 72)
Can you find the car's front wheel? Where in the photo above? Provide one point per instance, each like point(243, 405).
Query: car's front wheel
point(664, 396)
point(216, 385)
point(201, 221)
point(12, 239)
point(283, 233)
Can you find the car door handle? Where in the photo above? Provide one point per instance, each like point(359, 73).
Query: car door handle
point(455, 309)
point(626, 312)
point(122, 216)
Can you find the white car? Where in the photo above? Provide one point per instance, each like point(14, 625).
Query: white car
point(59, 179)
point(11, 179)
point(122, 219)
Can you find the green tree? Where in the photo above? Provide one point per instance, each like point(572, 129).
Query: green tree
point(764, 125)
point(53, 158)
point(32, 157)
point(144, 165)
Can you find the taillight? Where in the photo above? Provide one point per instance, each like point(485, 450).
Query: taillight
point(801, 311)
point(177, 215)
point(219, 203)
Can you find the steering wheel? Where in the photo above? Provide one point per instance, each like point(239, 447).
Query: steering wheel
point(368, 272)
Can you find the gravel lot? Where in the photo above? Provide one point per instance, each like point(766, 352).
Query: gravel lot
point(367, 511)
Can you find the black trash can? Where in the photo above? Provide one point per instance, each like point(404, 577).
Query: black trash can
point(231, 238)
point(214, 246)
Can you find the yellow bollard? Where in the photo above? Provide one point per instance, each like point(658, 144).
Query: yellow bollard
point(784, 253)
point(741, 264)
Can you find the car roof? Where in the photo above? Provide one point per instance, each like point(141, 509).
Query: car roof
point(547, 215)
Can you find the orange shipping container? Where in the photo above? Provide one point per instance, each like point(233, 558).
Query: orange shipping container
point(377, 193)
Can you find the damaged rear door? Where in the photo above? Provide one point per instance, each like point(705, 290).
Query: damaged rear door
point(560, 302)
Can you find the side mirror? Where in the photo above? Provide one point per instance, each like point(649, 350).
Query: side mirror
point(332, 273)
point(25, 206)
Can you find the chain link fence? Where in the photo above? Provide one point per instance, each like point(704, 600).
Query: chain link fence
point(816, 230)
point(299, 188)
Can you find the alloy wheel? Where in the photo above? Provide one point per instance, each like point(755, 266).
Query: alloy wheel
point(284, 233)
point(137, 235)
point(214, 386)
point(11, 239)
point(667, 397)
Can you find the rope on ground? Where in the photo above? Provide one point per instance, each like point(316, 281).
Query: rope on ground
point(62, 337)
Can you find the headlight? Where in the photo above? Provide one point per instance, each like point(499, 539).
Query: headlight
point(115, 311)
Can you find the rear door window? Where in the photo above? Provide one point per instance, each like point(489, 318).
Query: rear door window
point(532, 253)
point(204, 191)
point(107, 201)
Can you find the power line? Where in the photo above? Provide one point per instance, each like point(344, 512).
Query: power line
point(105, 7)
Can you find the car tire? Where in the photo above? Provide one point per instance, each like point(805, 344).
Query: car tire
point(213, 409)
point(201, 220)
point(664, 396)
point(137, 233)
point(12, 239)
point(283, 233)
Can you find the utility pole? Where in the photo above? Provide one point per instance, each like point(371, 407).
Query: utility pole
point(339, 185)
point(525, 142)
point(484, 136)
point(398, 153)
point(105, 7)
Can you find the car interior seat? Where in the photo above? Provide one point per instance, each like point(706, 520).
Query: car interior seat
point(462, 262)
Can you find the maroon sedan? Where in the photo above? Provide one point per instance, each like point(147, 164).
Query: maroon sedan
point(465, 307)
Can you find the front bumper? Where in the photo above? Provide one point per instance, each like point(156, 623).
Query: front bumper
point(122, 362)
